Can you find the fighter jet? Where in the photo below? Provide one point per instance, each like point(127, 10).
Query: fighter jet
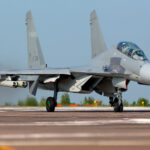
point(108, 74)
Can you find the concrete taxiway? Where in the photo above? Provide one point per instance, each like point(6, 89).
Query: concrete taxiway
point(74, 128)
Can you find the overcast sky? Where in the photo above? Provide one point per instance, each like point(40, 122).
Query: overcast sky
point(64, 33)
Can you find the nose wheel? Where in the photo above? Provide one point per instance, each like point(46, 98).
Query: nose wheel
point(116, 102)
point(118, 106)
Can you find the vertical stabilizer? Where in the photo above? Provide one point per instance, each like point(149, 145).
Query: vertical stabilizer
point(35, 56)
point(97, 41)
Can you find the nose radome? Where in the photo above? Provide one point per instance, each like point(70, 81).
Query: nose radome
point(145, 73)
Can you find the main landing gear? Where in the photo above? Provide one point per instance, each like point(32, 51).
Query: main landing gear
point(116, 102)
point(51, 102)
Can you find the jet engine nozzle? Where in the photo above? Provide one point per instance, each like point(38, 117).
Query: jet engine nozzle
point(145, 74)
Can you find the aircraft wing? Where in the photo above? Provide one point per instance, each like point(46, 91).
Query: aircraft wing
point(36, 72)
point(52, 72)
point(36, 76)
point(102, 74)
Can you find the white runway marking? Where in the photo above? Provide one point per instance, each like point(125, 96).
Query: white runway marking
point(34, 109)
point(76, 143)
point(69, 135)
point(82, 123)
point(141, 121)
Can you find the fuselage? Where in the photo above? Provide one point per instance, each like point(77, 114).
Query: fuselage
point(126, 63)
point(116, 61)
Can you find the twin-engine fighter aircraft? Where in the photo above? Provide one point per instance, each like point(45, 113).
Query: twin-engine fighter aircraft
point(108, 74)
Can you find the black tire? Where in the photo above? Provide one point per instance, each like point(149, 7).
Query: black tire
point(121, 107)
point(111, 102)
point(118, 107)
point(50, 104)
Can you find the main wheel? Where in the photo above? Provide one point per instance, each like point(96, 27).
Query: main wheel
point(50, 104)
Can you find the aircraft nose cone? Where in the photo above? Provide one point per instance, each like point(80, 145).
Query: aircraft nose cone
point(145, 74)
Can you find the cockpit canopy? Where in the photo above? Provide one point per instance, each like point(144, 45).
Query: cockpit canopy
point(132, 50)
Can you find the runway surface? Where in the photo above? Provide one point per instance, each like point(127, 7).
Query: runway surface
point(71, 128)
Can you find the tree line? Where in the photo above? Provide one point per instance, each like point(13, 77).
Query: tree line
point(87, 101)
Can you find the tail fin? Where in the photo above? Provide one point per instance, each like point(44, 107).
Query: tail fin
point(97, 41)
point(35, 56)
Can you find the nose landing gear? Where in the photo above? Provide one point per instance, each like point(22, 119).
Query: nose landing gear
point(118, 105)
point(116, 102)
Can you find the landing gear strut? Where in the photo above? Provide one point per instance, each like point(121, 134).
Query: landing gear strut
point(51, 102)
point(116, 102)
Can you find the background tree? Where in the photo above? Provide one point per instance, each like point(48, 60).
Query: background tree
point(21, 103)
point(140, 100)
point(125, 103)
point(89, 100)
point(31, 101)
point(85, 100)
point(100, 103)
point(65, 99)
point(42, 102)
point(133, 103)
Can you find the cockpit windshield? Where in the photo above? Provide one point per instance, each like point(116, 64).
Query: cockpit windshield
point(132, 50)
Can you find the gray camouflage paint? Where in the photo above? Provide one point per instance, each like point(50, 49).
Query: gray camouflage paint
point(105, 66)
